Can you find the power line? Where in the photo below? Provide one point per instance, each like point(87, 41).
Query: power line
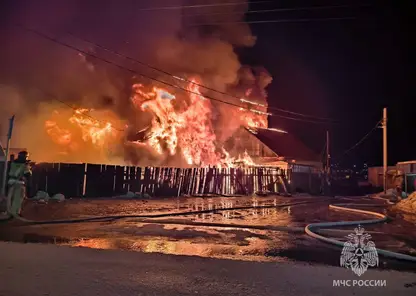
point(154, 79)
point(277, 10)
point(300, 20)
point(361, 140)
point(200, 5)
point(303, 115)
point(184, 79)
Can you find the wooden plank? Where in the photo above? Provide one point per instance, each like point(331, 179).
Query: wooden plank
point(119, 181)
point(93, 180)
point(106, 180)
point(52, 178)
point(71, 179)
point(39, 179)
point(232, 181)
point(146, 180)
point(135, 184)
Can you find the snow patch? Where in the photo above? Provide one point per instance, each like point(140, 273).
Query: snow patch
point(408, 205)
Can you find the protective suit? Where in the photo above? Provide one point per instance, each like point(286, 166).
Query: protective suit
point(20, 172)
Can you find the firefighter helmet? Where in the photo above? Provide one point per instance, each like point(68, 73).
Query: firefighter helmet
point(23, 155)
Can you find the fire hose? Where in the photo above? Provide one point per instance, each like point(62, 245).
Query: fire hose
point(118, 217)
point(343, 207)
point(309, 229)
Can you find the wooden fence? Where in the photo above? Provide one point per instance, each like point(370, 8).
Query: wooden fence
point(93, 180)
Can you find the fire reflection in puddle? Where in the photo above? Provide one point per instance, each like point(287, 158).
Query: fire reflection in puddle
point(257, 215)
point(230, 243)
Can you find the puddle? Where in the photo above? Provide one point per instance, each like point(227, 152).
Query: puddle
point(243, 243)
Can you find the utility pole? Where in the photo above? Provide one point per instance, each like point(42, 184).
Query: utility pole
point(328, 156)
point(384, 126)
point(328, 167)
point(6, 157)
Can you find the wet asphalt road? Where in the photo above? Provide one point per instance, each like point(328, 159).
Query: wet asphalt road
point(253, 237)
point(63, 271)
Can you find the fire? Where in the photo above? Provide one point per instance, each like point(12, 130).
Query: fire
point(253, 118)
point(188, 131)
point(185, 126)
point(70, 131)
point(92, 129)
point(181, 126)
point(57, 134)
point(241, 160)
point(245, 159)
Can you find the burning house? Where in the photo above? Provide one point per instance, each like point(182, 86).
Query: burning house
point(186, 102)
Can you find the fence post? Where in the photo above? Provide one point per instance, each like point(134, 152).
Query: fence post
point(310, 181)
point(6, 157)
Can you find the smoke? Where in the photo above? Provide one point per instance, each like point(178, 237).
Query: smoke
point(186, 42)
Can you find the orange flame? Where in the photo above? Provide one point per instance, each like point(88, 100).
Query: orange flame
point(58, 135)
point(188, 131)
point(179, 126)
point(91, 128)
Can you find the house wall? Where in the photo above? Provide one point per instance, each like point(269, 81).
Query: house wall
point(375, 175)
point(408, 167)
point(316, 164)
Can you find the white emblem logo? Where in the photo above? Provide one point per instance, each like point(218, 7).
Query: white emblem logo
point(359, 252)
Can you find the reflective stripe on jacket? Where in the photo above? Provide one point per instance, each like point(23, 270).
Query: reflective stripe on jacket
point(18, 170)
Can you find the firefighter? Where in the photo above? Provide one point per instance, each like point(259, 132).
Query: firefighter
point(20, 172)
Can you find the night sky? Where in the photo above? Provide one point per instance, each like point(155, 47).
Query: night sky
point(347, 70)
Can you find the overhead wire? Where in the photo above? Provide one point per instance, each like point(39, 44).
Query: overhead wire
point(361, 140)
point(184, 79)
point(299, 20)
point(52, 39)
point(276, 10)
point(201, 5)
